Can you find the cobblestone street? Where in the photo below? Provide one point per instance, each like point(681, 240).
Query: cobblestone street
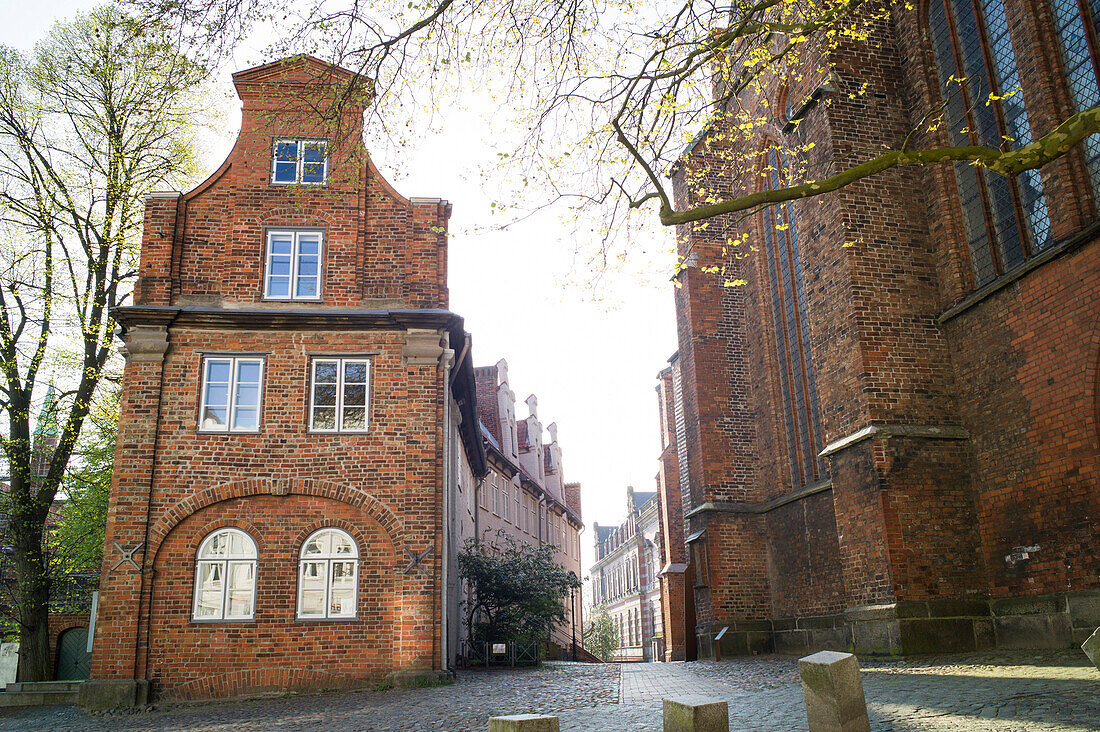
point(1000, 692)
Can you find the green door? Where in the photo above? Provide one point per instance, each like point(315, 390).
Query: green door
point(73, 660)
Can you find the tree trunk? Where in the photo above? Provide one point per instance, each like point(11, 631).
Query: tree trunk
point(34, 607)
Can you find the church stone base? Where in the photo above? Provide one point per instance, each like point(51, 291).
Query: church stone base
point(1059, 620)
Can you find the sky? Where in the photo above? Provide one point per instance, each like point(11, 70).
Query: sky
point(590, 355)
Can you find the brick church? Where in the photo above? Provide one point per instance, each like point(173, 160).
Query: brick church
point(887, 437)
point(298, 416)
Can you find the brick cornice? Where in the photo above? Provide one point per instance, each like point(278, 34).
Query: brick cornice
point(284, 319)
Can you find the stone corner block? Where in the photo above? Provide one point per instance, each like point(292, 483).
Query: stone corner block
point(524, 723)
point(833, 692)
point(1091, 647)
point(696, 714)
point(422, 347)
point(104, 694)
point(419, 678)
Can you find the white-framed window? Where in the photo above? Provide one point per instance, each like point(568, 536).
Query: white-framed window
point(496, 494)
point(302, 162)
point(231, 393)
point(292, 265)
point(515, 504)
point(328, 574)
point(225, 577)
point(339, 395)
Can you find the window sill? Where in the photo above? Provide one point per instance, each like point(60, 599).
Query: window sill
point(326, 620)
point(1067, 245)
point(231, 621)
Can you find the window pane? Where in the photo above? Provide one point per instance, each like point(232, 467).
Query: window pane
point(325, 371)
point(246, 418)
point(248, 372)
point(309, 244)
point(217, 546)
point(355, 395)
point(214, 417)
point(240, 546)
point(208, 590)
point(217, 395)
point(342, 543)
point(319, 545)
point(324, 395)
point(324, 418)
point(278, 287)
point(342, 594)
point(307, 287)
point(241, 578)
point(219, 370)
point(355, 372)
point(355, 418)
point(286, 161)
point(311, 588)
point(313, 163)
point(248, 395)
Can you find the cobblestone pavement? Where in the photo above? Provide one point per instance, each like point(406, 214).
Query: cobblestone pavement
point(1001, 692)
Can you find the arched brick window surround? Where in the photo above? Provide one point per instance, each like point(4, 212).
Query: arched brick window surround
point(782, 265)
point(256, 487)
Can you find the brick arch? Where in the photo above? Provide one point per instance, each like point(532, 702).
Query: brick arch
point(350, 495)
point(210, 527)
point(291, 215)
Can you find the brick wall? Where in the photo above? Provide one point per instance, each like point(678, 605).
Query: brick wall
point(982, 408)
point(383, 294)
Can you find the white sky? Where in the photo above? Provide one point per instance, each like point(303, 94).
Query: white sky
point(591, 356)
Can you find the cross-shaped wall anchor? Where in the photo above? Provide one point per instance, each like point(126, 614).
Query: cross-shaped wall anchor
point(127, 555)
point(415, 559)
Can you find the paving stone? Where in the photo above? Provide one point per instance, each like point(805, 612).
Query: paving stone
point(1027, 691)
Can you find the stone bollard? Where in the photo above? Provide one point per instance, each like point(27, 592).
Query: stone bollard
point(833, 692)
point(1091, 647)
point(696, 714)
point(524, 723)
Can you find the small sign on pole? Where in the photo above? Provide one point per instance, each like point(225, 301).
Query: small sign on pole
point(499, 649)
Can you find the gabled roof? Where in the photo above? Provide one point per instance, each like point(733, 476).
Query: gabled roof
point(302, 65)
point(603, 532)
point(642, 498)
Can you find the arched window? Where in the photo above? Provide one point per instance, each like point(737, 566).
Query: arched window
point(1005, 218)
point(225, 577)
point(783, 265)
point(328, 571)
point(1078, 23)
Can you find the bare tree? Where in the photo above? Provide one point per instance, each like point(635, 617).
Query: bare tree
point(611, 90)
point(102, 113)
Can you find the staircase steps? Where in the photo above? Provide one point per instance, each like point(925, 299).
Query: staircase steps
point(40, 693)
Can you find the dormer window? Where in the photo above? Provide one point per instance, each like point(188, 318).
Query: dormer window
point(293, 265)
point(302, 162)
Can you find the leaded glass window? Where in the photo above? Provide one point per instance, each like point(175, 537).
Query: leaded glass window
point(790, 324)
point(1078, 24)
point(1006, 219)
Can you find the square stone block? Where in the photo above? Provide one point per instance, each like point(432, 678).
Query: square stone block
point(833, 691)
point(1091, 647)
point(696, 714)
point(524, 723)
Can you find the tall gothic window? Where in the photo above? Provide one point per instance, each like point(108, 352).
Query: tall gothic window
point(788, 300)
point(1006, 219)
point(1078, 23)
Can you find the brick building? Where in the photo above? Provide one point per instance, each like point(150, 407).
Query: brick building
point(677, 598)
point(524, 493)
point(298, 422)
point(624, 578)
point(890, 433)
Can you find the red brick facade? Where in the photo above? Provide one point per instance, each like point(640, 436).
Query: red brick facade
point(383, 297)
point(959, 434)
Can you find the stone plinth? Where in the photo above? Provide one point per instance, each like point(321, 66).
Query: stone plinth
point(1091, 647)
point(696, 714)
point(524, 723)
point(833, 692)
